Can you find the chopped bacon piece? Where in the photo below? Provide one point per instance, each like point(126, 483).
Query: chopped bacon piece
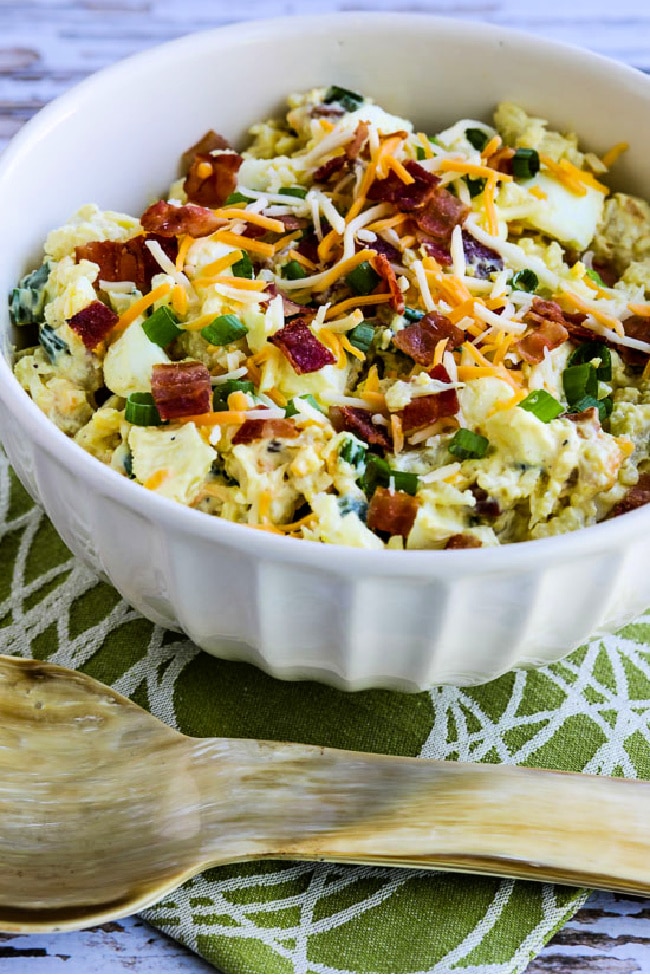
point(169, 220)
point(436, 250)
point(393, 513)
point(292, 223)
point(300, 346)
point(589, 416)
point(279, 428)
point(213, 189)
point(207, 143)
point(327, 111)
point(330, 168)
point(607, 272)
point(390, 252)
point(93, 323)
point(463, 541)
point(411, 196)
point(308, 247)
point(289, 307)
point(548, 325)
point(633, 498)
point(355, 420)
point(420, 339)
point(440, 215)
point(485, 507)
point(635, 327)
point(357, 142)
point(127, 260)
point(181, 389)
point(424, 410)
point(383, 268)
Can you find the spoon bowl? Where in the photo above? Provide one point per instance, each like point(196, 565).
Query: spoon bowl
point(104, 809)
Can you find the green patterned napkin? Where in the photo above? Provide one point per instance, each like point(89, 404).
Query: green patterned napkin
point(589, 713)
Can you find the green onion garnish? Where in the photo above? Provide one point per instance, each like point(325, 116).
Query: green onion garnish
point(595, 276)
point(363, 279)
point(236, 197)
point(466, 444)
point(243, 268)
point(413, 314)
point(475, 186)
point(378, 473)
point(589, 351)
point(419, 153)
point(525, 280)
point(293, 271)
point(353, 452)
point(298, 191)
point(141, 410)
point(477, 138)
point(604, 406)
point(161, 327)
point(361, 336)
point(579, 381)
point(223, 330)
point(291, 409)
point(525, 163)
point(223, 390)
point(542, 405)
point(350, 100)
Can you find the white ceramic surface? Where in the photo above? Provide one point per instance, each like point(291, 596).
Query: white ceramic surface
point(354, 618)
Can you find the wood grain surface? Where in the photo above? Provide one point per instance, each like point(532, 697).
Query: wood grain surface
point(46, 46)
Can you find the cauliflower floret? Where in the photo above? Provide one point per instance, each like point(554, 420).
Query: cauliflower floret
point(519, 129)
point(337, 528)
point(129, 361)
point(60, 399)
point(102, 435)
point(172, 461)
point(623, 234)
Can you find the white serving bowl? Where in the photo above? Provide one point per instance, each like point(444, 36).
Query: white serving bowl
point(353, 618)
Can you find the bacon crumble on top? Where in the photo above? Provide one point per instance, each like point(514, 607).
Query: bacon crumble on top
point(422, 411)
point(354, 419)
point(208, 142)
point(181, 389)
point(127, 260)
point(211, 179)
point(170, 221)
point(392, 512)
point(271, 429)
point(420, 340)
point(383, 268)
point(93, 323)
point(300, 346)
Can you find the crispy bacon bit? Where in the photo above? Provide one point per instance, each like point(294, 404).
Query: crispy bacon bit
point(169, 220)
point(438, 251)
point(635, 497)
point(392, 513)
point(207, 143)
point(292, 223)
point(212, 190)
point(485, 507)
point(635, 327)
point(409, 197)
point(463, 541)
point(289, 307)
point(93, 323)
point(327, 111)
point(424, 410)
point(607, 272)
point(300, 346)
point(250, 430)
point(127, 260)
point(390, 252)
point(383, 268)
point(330, 168)
point(355, 420)
point(484, 260)
point(440, 215)
point(308, 247)
point(181, 389)
point(548, 330)
point(589, 416)
point(357, 142)
point(420, 339)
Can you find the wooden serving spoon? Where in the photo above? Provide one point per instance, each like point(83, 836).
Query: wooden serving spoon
point(104, 809)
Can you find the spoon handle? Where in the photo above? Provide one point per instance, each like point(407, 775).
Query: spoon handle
point(309, 803)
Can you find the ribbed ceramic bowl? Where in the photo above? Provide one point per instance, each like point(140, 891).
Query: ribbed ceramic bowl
point(354, 618)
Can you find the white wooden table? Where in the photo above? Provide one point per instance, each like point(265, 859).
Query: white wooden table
point(48, 45)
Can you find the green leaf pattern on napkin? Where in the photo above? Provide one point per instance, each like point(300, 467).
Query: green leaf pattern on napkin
point(588, 713)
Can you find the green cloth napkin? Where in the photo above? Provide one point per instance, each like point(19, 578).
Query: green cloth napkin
point(589, 713)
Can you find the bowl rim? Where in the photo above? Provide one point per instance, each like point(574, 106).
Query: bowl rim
point(107, 482)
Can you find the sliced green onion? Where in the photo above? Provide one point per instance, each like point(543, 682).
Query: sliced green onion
point(413, 314)
point(243, 268)
point(141, 410)
point(236, 197)
point(52, 343)
point(542, 405)
point(475, 185)
point(223, 390)
point(604, 406)
point(224, 329)
point(353, 452)
point(419, 153)
point(363, 279)
point(293, 271)
point(378, 473)
point(579, 381)
point(595, 276)
point(161, 327)
point(525, 163)
point(477, 138)
point(525, 280)
point(291, 409)
point(589, 351)
point(350, 100)
point(27, 300)
point(466, 444)
point(361, 336)
point(298, 191)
